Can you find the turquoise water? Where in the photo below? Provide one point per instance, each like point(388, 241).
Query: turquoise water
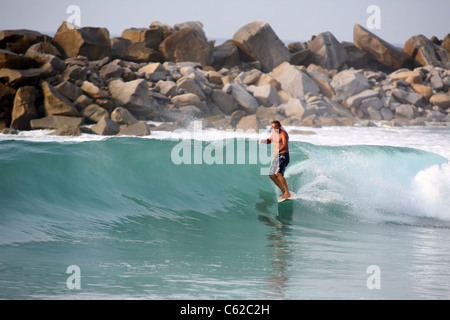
point(139, 226)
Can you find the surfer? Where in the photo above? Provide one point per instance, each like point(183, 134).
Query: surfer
point(280, 139)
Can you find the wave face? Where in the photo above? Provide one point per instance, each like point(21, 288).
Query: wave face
point(139, 225)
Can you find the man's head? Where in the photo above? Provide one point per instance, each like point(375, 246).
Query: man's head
point(276, 125)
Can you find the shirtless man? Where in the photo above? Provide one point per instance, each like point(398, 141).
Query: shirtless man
point(281, 157)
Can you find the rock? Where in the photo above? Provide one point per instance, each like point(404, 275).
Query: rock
point(186, 100)
point(259, 41)
point(94, 113)
point(236, 116)
point(373, 103)
point(267, 114)
point(19, 41)
point(75, 73)
point(425, 91)
point(124, 49)
point(224, 101)
point(192, 111)
point(374, 114)
point(167, 88)
point(44, 52)
point(152, 37)
point(356, 58)
point(67, 131)
point(409, 76)
point(348, 83)
point(266, 95)
point(133, 95)
point(106, 127)
point(326, 51)
point(386, 114)
point(82, 102)
point(425, 52)
point(93, 91)
point(13, 60)
point(323, 82)
point(265, 79)
point(294, 81)
point(24, 109)
point(20, 78)
point(166, 29)
point(250, 122)
point(55, 103)
point(225, 55)
point(293, 108)
point(69, 90)
point(123, 116)
point(379, 49)
point(299, 57)
point(190, 24)
point(435, 80)
point(355, 101)
point(244, 98)
point(138, 129)
point(93, 43)
point(152, 67)
point(9, 131)
point(407, 97)
point(56, 122)
point(404, 111)
point(188, 44)
point(190, 86)
point(441, 99)
point(111, 70)
point(446, 42)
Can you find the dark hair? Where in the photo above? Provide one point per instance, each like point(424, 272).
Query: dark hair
point(277, 123)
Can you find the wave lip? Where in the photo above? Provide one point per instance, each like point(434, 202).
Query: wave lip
point(375, 183)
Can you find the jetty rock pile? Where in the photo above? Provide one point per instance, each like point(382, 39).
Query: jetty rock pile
point(83, 80)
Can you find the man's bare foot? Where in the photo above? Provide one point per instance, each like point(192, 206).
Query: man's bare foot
point(285, 195)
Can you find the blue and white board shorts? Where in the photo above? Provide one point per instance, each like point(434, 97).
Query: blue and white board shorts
point(279, 163)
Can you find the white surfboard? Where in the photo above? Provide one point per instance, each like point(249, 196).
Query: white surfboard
point(292, 197)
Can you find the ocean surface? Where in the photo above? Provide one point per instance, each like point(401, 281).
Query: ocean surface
point(142, 218)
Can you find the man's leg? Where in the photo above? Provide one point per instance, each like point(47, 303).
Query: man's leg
point(276, 181)
point(283, 182)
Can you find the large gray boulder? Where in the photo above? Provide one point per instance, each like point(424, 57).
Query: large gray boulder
point(250, 122)
point(260, 42)
point(326, 51)
point(244, 98)
point(347, 83)
point(294, 81)
point(134, 96)
point(187, 45)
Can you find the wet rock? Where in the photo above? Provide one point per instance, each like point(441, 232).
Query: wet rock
point(24, 108)
point(56, 122)
point(138, 129)
point(106, 127)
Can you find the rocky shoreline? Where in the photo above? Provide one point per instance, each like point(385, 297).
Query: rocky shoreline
point(81, 80)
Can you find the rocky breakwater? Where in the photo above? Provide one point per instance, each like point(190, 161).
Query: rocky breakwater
point(82, 80)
